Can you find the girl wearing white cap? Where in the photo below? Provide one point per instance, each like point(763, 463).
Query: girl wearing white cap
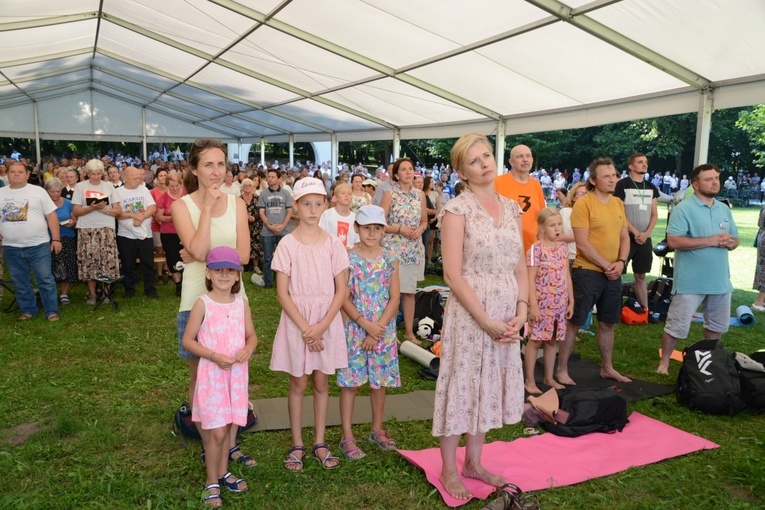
point(311, 285)
point(370, 330)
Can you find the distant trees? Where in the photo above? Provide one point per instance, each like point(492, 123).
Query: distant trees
point(737, 143)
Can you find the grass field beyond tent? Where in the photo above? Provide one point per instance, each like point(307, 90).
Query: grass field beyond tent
point(87, 404)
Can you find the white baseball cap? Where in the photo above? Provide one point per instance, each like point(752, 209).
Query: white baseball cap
point(371, 215)
point(308, 186)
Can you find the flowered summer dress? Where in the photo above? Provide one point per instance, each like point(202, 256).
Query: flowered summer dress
point(480, 380)
point(551, 289)
point(405, 210)
point(370, 292)
point(220, 396)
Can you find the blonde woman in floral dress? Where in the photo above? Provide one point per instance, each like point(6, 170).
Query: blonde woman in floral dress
point(480, 382)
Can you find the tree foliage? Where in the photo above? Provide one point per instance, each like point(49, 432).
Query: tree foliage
point(737, 142)
point(752, 122)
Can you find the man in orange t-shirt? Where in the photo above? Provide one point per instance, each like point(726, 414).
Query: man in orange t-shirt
point(519, 185)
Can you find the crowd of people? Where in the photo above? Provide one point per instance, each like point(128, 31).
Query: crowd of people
point(516, 267)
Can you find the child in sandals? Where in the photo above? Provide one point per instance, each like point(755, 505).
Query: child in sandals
point(311, 285)
point(370, 330)
point(221, 333)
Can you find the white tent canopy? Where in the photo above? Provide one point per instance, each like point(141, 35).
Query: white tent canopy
point(312, 70)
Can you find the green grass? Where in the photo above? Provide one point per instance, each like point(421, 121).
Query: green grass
point(102, 387)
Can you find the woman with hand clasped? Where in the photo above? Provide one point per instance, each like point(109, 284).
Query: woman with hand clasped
point(480, 382)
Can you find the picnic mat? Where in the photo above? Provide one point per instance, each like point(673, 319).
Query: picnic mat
point(272, 412)
point(586, 374)
point(547, 461)
point(418, 405)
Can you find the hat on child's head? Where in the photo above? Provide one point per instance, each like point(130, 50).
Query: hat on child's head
point(369, 182)
point(308, 186)
point(371, 215)
point(222, 257)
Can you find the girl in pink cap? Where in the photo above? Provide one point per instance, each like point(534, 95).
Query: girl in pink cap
point(221, 333)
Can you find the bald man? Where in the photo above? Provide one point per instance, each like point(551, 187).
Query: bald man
point(519, 185)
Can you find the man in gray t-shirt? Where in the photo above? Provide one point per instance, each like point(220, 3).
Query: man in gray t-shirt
point(640, 206)
point(274, 207)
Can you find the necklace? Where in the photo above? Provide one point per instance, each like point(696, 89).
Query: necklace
point(641, 195)
point(314, 242)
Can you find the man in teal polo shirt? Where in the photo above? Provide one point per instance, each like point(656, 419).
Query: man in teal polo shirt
point(702, 232)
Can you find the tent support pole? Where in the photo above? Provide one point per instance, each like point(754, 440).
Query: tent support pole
point(499, 149)
point(263, 151)
point(292, 150)
point(37, 138)
point(703, 127)
point(396, 144)
point(334, 152)
point(143, 135)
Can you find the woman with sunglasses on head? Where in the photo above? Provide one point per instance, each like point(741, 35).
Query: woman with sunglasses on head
point(204, 219)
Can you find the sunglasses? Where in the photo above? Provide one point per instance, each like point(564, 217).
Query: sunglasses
point(204, 142)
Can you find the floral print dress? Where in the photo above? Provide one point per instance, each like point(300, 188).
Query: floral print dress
point(256, 248)
point(370, 292)
point(551, 289)
point(480, 380)
point(405, 210)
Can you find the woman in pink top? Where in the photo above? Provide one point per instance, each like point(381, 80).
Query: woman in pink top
point(160, 187)
point(171, 243)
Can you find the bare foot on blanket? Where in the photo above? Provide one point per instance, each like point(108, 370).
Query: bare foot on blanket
point(663, 368)
point(454, 486)
point(554, 384)
point(564, 378)
point(613, 374)
point(480, 473)
point(532, 389)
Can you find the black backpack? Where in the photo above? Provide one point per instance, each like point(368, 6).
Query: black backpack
point(753, 385)
point(184, 428)
point(590, 410)
point(709, 379)
point(427, 305)
point(660, 296)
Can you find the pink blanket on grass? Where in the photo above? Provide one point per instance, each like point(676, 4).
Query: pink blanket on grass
point(546, 461)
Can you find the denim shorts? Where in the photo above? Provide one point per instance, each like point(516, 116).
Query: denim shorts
point(183, 319)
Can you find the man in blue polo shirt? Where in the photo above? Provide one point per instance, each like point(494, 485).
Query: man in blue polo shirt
point(702, 232)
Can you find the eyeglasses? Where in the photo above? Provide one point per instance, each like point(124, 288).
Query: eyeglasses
point(580, 193)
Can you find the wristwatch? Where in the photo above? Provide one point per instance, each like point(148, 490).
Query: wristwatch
point(622, 261)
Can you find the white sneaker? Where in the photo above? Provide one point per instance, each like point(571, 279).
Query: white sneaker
point(258, 280)
point(758, 308)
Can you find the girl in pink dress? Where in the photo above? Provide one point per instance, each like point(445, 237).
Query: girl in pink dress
point(221, 323)
point(551, 297)
point(311, 286)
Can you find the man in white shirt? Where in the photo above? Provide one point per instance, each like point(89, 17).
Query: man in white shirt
point(27, 213)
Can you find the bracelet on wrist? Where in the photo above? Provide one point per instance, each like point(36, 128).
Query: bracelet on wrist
point(211, 355)
point(523, 301)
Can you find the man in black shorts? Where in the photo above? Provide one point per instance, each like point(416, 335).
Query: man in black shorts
point(602, 244)
point(640, 199)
